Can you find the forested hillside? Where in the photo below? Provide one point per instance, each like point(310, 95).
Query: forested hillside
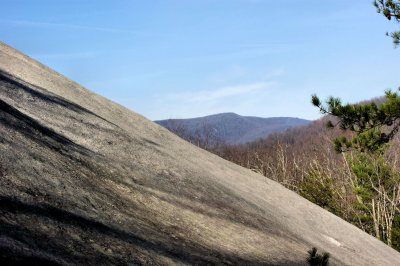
point(85, 181)
point(304, 160)
point(230, 128)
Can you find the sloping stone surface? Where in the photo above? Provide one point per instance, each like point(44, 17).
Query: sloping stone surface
point(85, 181)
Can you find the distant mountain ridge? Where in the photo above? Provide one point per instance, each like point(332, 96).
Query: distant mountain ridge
point(85, 181)
point(232, 128)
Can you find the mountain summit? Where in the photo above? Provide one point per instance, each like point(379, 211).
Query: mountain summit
point(85, 181)
point(232, 128)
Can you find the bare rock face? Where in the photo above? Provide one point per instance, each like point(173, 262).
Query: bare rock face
point(84, 181)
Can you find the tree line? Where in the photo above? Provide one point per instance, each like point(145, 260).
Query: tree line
point(346, 162)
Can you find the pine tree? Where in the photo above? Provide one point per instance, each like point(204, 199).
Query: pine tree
point(374, 124)
point(315, 259)
point(375, 182)
point(391, 10)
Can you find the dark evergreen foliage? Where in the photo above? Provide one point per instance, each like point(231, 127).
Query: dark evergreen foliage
point(315, 259)
point(374, 124)
point(391, 10)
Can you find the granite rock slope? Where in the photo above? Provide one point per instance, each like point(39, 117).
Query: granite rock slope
point(85, 181)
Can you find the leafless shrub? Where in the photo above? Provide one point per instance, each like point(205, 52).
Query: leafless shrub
point(304, 160)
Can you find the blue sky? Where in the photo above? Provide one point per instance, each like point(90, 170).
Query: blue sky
point(189, 58)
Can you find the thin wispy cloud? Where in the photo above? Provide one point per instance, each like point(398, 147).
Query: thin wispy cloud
point(238, 54)
point(225, 92)
point(123, 82)
point(65, 56)
point(38, 24)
